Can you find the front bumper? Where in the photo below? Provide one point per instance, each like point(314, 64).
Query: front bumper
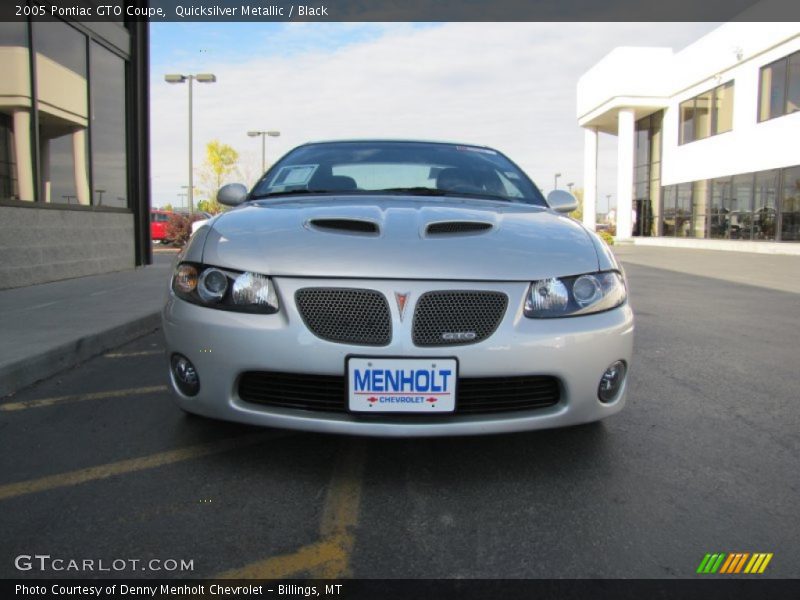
point(222, 345)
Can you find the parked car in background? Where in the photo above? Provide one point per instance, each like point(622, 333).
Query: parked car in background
point(398, 289)
point(158, 225)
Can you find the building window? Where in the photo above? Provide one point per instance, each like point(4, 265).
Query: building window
point(765, 205)
point(741, 215)
point(109, 155)
point(61, 72)
point(707, 114)
point(719, 221)
point(16, 165)
point(790, 205)
point(779, 88)
point(647, 175)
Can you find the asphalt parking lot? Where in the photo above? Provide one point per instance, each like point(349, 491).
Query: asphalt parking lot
point(97, 463)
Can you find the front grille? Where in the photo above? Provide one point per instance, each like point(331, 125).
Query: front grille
point(346, 315)
point(327, 393)
point(449, 318)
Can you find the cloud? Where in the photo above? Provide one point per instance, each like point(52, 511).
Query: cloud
point(508, 85)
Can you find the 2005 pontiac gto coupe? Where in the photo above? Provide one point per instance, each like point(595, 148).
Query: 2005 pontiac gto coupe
point(398, 288)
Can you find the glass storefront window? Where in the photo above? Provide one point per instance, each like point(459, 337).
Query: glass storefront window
point(719, 217)
point(16, 165)
point(765, 202)
point(699, 209)
point(668, 210)
point(683, 211)
point(790, 205)
point(109, 154)
point(741, 207)
point(63, 112)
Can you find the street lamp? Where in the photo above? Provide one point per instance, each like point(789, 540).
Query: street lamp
point(569, 187)
point(263, 135)
point(202, 78)
point(555, 185)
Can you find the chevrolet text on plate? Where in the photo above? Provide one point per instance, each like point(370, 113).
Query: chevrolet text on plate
point(398, 288)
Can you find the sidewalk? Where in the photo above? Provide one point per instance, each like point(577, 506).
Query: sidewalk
point(772, 271)
point(50, 327)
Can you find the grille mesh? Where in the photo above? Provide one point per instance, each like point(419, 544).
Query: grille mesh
point(327, 393)
point(448, 227)
point(346, 315)
point(449, 318)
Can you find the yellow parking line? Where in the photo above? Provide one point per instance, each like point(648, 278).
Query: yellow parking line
point(130, 354)
point(152, 461)
point(330, 556)
point(276, 567)
point(25, 404)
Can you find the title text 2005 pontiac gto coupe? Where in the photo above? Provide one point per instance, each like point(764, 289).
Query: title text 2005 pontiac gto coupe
point(398, 288)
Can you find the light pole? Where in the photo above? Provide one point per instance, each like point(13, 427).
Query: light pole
point(569, 187)
point(555, 185)
point(263, 135)
point(202, 78)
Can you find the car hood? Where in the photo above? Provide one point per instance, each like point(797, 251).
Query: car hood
point(314, 237)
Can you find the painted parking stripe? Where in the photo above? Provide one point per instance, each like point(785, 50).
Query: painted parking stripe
point(33, 486)
point(41, 402)
point(132, 354)
point(330, 556)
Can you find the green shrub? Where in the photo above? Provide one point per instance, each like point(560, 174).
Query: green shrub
point(606, 237)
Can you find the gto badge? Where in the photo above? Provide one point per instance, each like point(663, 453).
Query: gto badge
point(401, 300)
point(459, 336)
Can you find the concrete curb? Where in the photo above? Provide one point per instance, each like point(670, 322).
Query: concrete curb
point(31, 369)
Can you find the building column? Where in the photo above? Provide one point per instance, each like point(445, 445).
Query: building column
point(590, 177)
point(22, 151)
point(81, 171)
point(44, 168)
point(625, 148)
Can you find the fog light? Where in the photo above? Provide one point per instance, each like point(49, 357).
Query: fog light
point(185, 375)
point(611, 381)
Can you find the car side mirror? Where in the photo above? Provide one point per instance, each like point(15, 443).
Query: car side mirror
point(562, 201)
point(232, 194)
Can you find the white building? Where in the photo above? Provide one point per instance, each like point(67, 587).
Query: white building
point(708, 151)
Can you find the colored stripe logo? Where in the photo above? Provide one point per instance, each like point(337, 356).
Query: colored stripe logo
point(734, 563)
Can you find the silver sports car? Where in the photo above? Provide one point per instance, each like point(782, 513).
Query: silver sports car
point(397, 288)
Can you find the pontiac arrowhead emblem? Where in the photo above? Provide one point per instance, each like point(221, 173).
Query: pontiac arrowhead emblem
point(401, 303)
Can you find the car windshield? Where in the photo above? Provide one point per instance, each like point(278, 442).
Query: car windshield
point(412, 168)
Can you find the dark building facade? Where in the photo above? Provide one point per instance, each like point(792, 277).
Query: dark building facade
point(74, 166)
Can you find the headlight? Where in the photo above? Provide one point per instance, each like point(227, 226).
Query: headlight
point(573, 296)
point(224, 289)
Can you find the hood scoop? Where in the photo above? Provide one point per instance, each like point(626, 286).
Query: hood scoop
point(444, 228)
point(339, 225)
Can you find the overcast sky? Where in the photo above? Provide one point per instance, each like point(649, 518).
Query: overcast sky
point(507, 85)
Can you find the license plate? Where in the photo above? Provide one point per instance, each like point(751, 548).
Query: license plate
point(407, 385)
